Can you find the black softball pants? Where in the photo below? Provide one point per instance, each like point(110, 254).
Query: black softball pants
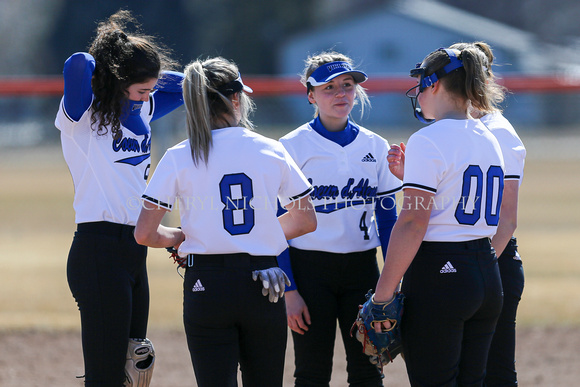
point(229, 322)
point(332, 286)
point(453, 297)
point(107, 276)
point(501, 365)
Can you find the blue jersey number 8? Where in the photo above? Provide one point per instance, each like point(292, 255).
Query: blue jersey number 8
point(468, 209)
point(236, 194)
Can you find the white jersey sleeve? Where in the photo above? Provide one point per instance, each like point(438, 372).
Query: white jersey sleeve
point(162, 188)
point(293, 181)
point(513, 149)
point(424, 164)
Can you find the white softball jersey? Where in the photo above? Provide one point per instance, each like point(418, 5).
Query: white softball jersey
point(512, 147)
point(347, 182)
point(109, 175)
point(229, 205)
point(461, 163)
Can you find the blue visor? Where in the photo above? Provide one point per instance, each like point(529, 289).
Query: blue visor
point(328, 71)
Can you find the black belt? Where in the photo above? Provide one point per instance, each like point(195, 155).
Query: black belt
point(106, 228)
point(229, 260)
point(464, 245)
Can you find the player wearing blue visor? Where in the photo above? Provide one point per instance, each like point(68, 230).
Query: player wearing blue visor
point(333, 267)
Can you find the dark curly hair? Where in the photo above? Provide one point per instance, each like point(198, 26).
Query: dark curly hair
point(122, 59)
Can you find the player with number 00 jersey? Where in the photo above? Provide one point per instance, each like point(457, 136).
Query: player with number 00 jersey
point(441, 244)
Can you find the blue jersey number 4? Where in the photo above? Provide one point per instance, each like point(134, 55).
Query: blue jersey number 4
point(236, 194)
point(470, 204)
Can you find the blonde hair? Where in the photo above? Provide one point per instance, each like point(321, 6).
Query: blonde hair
point(497, 91)
point(315, 61)
point(207, 108)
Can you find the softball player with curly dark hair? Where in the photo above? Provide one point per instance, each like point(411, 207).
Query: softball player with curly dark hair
point(111, 94)
point(441, 244)
point(332, 268)
point(501, 364)
point(227, 180)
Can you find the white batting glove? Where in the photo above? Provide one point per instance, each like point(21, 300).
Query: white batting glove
point(274, 282)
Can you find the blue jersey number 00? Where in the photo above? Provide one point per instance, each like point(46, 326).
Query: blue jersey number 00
point(236, 194)
point(468, 209)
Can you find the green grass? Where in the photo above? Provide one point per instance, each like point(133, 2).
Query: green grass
point(38, 223)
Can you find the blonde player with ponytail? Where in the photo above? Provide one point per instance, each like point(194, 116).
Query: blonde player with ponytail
point(227, 181)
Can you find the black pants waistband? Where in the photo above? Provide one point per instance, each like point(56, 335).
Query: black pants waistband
point(229, 260)
point(106, 228)
point(465, 245)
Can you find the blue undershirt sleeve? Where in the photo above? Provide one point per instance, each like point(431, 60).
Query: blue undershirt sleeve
point(169, 95)
point(78, 93)
point(386, 216)
point(284, 264)
point(284, 258)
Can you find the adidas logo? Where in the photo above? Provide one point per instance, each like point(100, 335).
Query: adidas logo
point(369, 159)
point(198, 287)
point(448, 268)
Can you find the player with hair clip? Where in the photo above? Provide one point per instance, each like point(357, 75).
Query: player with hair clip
point(111, 94)
point(441, 244)
point(501, 369)
point(228, 180)
point(332, 268)
point(501, 364)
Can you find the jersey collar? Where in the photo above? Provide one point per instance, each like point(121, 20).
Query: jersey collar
point(342, 138)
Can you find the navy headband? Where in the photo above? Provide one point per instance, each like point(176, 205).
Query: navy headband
point(426, 81)
point(234, 86)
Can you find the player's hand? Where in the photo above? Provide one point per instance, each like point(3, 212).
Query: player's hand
point(396, 159)
point(297, 312)
point(383, 326)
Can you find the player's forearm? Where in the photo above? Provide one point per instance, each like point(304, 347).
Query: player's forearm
point(505, 231)
point(508, 220)
point(163, 237)
point(404, 244)
point(406, 238)
point(299, 220)
point(150, 232)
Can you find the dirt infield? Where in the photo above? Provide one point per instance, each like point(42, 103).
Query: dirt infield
point(547, 357)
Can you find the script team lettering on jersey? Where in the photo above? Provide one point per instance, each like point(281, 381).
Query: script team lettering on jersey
point(362, 190)
point(129, 144)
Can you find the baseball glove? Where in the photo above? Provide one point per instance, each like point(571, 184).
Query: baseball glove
point(381, 347)
point(181, 261)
